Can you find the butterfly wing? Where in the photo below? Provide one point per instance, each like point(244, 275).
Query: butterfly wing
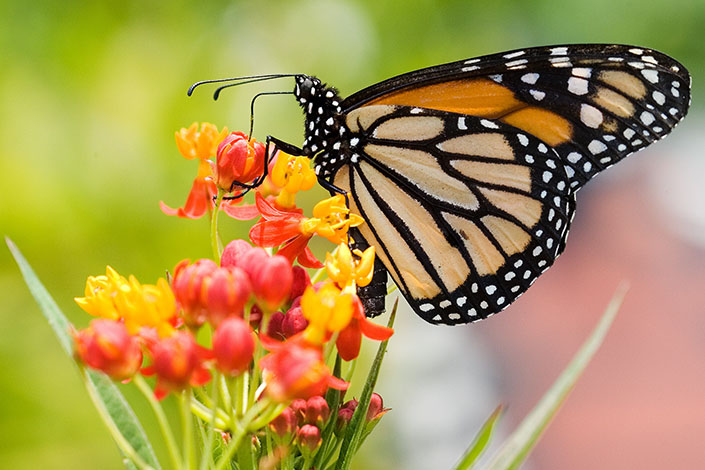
point(465, 212)
point(594, 104)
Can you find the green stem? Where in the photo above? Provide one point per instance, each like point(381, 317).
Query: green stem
point(164, 426)
point(120, 440)
point(204, 413)
point(187, 428)
point(206, 454)
point(216, 244)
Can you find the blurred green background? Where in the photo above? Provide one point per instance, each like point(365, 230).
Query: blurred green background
point(92, 92)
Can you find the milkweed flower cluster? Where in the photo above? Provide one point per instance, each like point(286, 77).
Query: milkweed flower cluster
point(246, 340)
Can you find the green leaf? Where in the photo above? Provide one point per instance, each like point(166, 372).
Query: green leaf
point(518, 445)
point(479, 444)
point(353, 434)
point(111, 404)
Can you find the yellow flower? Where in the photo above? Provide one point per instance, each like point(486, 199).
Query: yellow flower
point(331, 219)
point(349, 269)
point(327, 311)
point(114, 297)
point(202, 144)
point(292, 174)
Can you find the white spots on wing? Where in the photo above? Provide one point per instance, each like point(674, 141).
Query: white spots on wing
point(561, 61)
point(530, 78)
point(651, 75)
point(354, 141)
point(591, 116)
point(587, 167)
point(542, 148)
point(673, 111)
point(416, 111)
point(461, 301)
point(470, 68)
point(573, 157)
point(674, 92)
point(595, 147)
point(461, 123)
point(329, 121)
point(474, 287)
point(621, 147)
point(636, 51)
point(549, 243)
point(445, 303)
point(529, 159)
point(608, 138)
point(605, 160)
point(491, 289)
point(471, 61)
point(484, 304)
point(636, 65)
point(509, 276)
point(488, 124)
point(511, 55)
point(647, 118)
point(496, 77)
point(578, 86)
point(472, 312)
point(523, 140)
point(518, 263)
point(582, 72)
point(628, 133)
point(537, 251)
point(559, 50)
point(561, 185)
point(547, 175)
point(516, 63)
point(426, 307)
point(569, 171)
point(500, 300)
point(454, 316)
point(551, 163)
point(537, 94)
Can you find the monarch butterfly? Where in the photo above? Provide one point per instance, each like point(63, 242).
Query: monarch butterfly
point(466, 173)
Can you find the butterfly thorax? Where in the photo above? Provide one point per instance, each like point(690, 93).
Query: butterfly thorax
point(325, 128)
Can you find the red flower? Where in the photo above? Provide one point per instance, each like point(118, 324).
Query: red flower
point(233, 346)
point(271, 276)
point(285, 424)
point(208, 292)
point(283, 227)
point(308, 439)
point(178, 363)
point(350, 338)
point(200, 199)
point(296, 371)
point(107, 346)
point(317, 411)
point(238, 160)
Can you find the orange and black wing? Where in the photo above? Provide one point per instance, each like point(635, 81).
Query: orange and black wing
point(465, 212)
point(466, 172)
point(594, 104)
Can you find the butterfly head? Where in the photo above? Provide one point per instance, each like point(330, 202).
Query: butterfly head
point(321, 106)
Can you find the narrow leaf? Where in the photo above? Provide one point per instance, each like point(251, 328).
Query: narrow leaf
point(118, 410)
point(353, 434)
point(518, 445)
point(479, 444)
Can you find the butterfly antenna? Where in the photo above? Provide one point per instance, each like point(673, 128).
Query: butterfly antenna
point(239, 81)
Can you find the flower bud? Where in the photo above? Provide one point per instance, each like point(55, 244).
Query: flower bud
point(178, 363)
point(308, 438)
point(317, 411)
point(376, 408)
point(233, 252)
point(344, 417)
point(301, 281)
point(274, 327)
point(106, 346)
point(233, 346)
point(285, 424)
point(271, 282)
point(293, 322)
point(238, 160)
point(299, 408)
point(187, 286)
point(227, 291)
